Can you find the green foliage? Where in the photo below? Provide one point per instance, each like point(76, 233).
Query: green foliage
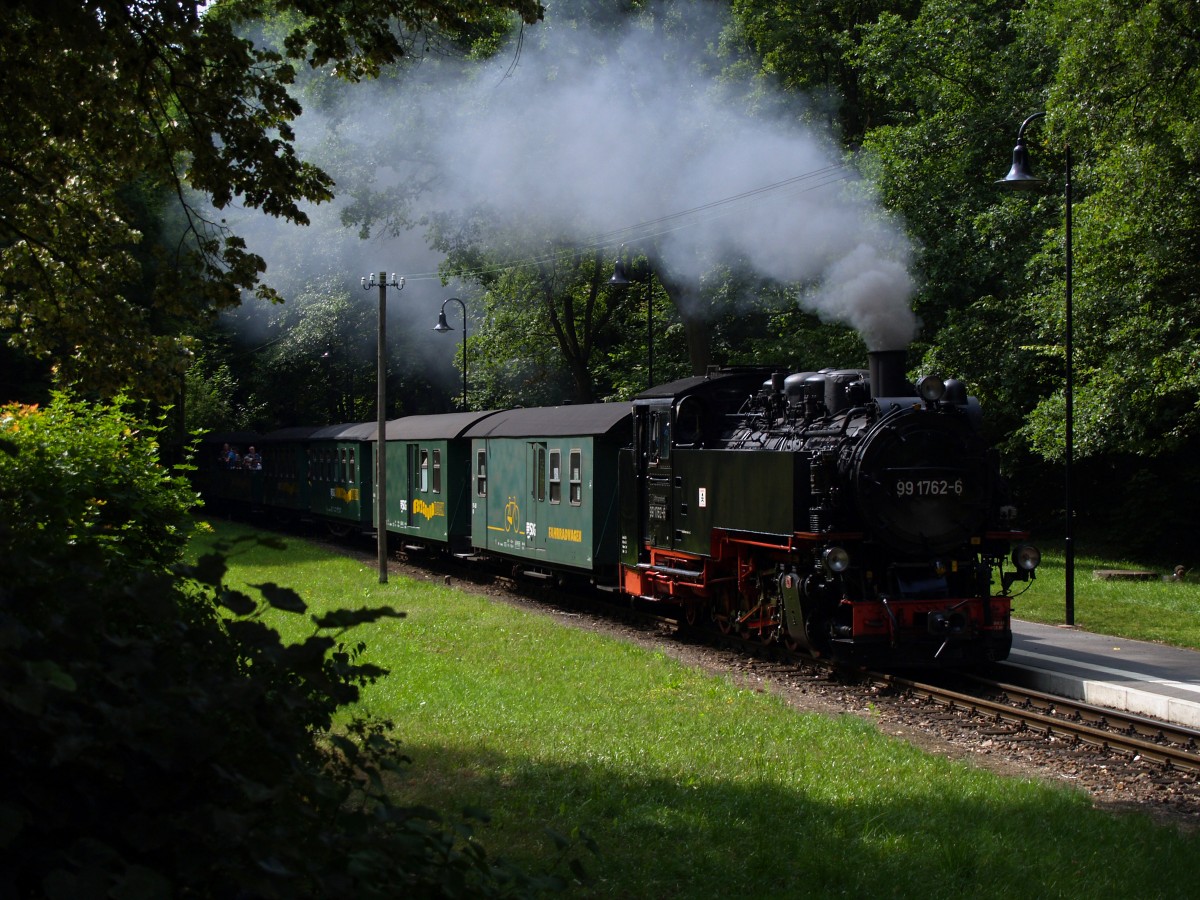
point(83, 487)
point(547, 323)
point(210, 390)
point(808, 47)
point(1126, 103)
point(171, 98)
point(160, 738)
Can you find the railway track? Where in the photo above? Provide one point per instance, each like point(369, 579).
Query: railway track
point(1020, 709)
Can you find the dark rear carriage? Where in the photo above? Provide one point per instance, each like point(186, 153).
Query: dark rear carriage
point(224, 482)
point(285, 476)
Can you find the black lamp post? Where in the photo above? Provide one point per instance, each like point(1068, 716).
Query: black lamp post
point(622, 280)
point(1021, 177)
point(368, 282)
point(443, 326)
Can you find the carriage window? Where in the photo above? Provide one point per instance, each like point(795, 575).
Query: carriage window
point(481, 473)
point(353, 468)
point(556, 476)
point(437, 471)
point(344, 470)
point(541, 474)
point(576, 475)
point(424, 470)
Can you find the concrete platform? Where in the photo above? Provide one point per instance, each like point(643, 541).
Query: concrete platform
point(1134, 676)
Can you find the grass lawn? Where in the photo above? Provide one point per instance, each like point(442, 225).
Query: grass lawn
point(1144, 610)
point(692, 787)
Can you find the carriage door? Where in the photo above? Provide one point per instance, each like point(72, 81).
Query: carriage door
point(535, 513)
point(657, 454)
point(412, 482)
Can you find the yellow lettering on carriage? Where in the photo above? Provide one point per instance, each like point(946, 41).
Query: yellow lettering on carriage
point(346, 496)
point(574, 535)
point(429, 510)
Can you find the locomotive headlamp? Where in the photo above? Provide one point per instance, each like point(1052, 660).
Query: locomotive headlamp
point(1026, 557)
point(835, 559)
point(931, 388)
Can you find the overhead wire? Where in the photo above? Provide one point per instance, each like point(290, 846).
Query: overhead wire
point(672, 222)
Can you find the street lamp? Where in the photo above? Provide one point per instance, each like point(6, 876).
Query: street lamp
point(622, 280)
point(443, 326)
point(368, 282)
point(1021, 177)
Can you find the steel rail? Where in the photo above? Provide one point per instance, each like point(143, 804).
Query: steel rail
point(1117, 731)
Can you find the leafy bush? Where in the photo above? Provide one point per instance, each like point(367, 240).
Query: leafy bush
point(160, 739)
point(81, 485)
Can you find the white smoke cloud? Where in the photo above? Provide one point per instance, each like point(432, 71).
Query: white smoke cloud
point(595, 134)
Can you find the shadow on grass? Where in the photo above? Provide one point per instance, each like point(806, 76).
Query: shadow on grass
point(711, 837)
point(256, 537)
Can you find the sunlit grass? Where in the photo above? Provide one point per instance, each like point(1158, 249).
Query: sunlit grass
point(1155, 610)
point(692, 786)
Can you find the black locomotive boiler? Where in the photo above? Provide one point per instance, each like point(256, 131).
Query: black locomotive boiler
point(847, 513)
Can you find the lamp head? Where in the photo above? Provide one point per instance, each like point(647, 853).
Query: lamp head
point(1020, 177)
point(619, 277)
point(442, 325)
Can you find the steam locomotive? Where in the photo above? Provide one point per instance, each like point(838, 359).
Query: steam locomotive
point(844, 513)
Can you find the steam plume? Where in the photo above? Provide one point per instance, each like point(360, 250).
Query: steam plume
point(595, 133)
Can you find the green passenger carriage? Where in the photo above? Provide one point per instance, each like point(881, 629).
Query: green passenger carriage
point(428, 481)
point(341, 475)
point(544, 487)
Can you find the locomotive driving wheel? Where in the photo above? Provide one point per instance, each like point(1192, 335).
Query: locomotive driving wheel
point(768, 612)
point(725, 616)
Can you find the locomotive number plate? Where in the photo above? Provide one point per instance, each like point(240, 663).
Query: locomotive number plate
point(925, 486)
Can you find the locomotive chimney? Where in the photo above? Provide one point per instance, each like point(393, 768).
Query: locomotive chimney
point(888, 377)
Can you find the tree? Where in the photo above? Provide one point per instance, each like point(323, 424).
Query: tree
point(327, 344)
point(110, 106)
point(808, 48)
point(547, 319)
point(1124, 94)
